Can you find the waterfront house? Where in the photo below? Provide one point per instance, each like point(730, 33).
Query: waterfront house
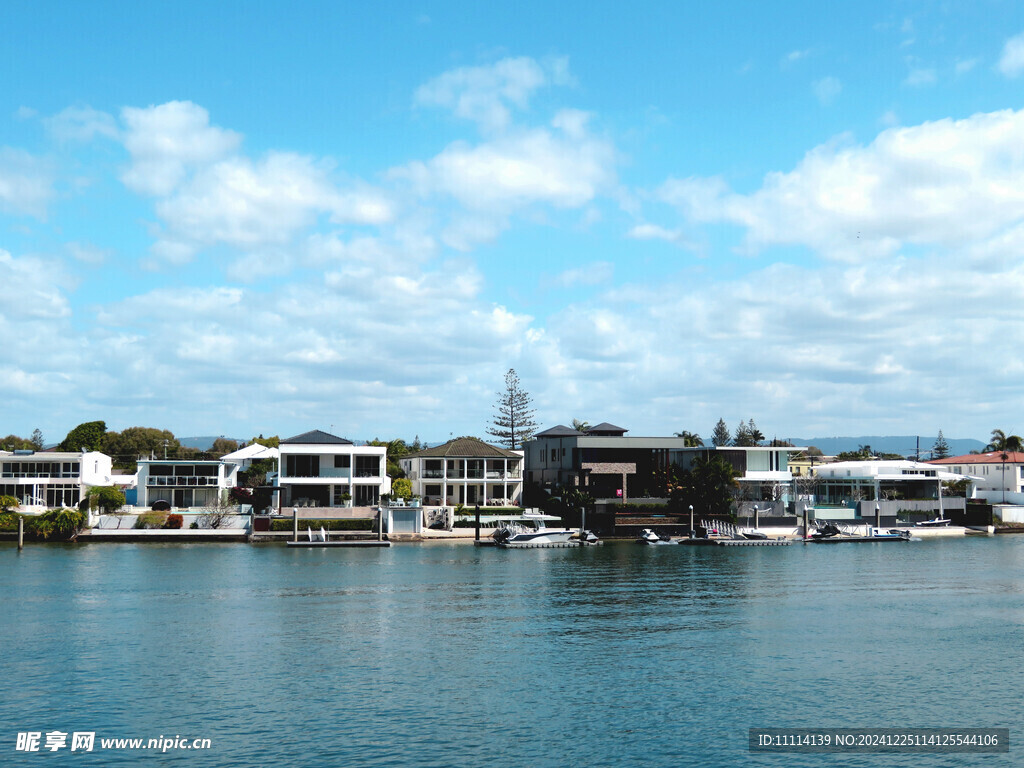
point(466, 471)
point(184, 484)
point(853, 488)
point(998, 476)
point(318, 469)
point(610, 466)
point(52, 479)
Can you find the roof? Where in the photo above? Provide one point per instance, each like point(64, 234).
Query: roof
point(992, 457)
point(316, 437)
point(605, 429)
point(467, 447)
point(252, 451)
point(560, 431)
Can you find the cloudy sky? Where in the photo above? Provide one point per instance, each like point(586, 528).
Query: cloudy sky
point(235, 218)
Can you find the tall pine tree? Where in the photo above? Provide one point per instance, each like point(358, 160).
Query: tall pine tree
point(513, 420)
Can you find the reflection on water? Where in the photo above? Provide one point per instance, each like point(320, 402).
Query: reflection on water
point(445, 654)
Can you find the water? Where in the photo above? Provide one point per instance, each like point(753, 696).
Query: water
point(448, 655)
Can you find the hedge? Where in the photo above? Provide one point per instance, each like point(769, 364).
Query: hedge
point(347, 524)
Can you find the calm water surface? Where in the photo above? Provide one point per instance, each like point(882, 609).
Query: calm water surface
point(448, 655)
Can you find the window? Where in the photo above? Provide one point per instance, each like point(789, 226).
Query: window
point(342, 462)
point(302, 466)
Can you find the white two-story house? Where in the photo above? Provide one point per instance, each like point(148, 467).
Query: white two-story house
point(51, 479)
point(466, 471)
point(322, 470)
point(184, 484)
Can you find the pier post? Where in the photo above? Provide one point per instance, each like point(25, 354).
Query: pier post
point(583, 526)
point(756, 517)
point(878, 516)
point(380, 526)
point(21, 533)
point(692, 531)
point(477, 515)
point(805, 523)
point(295, 523)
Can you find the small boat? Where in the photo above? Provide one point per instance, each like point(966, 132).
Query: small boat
point(755, 535)
point(530, 528)
point(588, 536)
point(648, 536)
point(938, 522)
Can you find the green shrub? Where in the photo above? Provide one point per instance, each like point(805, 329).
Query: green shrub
point(151, 520)
point(357, 524)
point(57, 523)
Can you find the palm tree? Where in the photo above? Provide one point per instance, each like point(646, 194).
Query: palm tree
point(581, 426)
point(690, 439)
point(1002, 442)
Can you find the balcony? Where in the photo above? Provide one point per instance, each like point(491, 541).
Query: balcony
point(433, 473)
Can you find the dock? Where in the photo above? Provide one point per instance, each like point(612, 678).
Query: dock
point(735, 542)
point(546, 545)
point(341, 543)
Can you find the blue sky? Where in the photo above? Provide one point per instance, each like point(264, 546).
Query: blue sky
point(237, 218)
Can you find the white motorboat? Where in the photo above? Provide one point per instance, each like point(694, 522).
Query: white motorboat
point(530, 528)
point(938, 522)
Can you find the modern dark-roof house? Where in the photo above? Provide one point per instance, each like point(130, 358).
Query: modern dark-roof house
point(612, 467)
point(466, 471)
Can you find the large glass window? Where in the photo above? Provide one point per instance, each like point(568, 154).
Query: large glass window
point(302, 466)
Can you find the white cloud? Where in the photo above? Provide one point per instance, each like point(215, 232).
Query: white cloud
point(250, 204)
point(827, 90)
point(920, 76)
point(963, 66)
point(562, 169)
point(590, 274)
point(36, 284)
point(654, 232)
point(26, 182)
point(81, 124)
point(487, 94)
point(1011, 62)
point(946, 182)
point(167, 141)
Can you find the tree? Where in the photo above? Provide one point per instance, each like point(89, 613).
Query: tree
point(36, 440)
point(1003, 442)
point(401, 488)
point(15, 443)
point(126, 447)
point(690, 439)
point(580, 425)
point(747, 434)
point(709, 486)
point(223, 445)
point(513, 423)
point(269, 442)
point(940, 449)
point(106, 497)
point(87, 436)
point(721, 435)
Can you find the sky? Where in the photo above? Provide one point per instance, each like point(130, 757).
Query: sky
point(264, 218)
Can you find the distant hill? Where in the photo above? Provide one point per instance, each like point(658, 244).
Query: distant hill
point(205, 443)
point(905, 445)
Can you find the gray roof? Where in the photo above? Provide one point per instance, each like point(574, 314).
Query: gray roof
point(604, 428)
point(317, 437)
point(466, 447)
point(559, 431)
